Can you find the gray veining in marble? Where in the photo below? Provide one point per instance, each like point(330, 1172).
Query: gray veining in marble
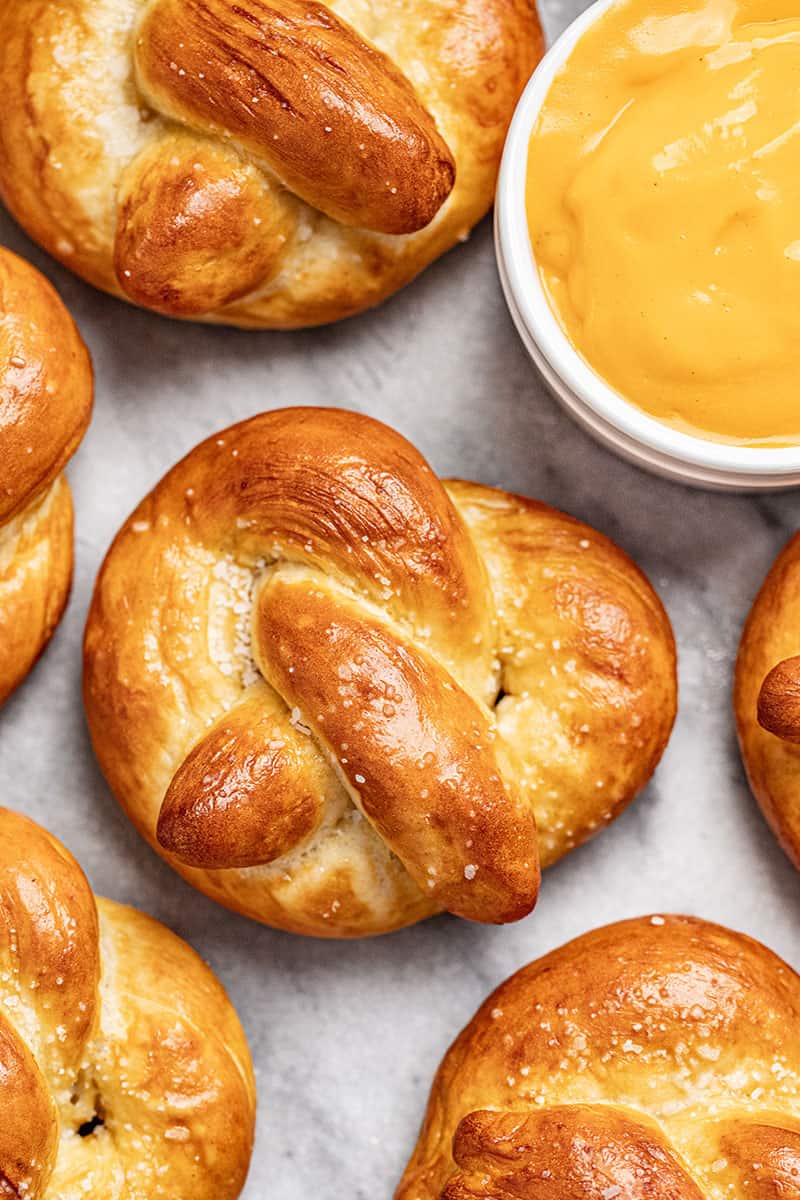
point(346, 1036)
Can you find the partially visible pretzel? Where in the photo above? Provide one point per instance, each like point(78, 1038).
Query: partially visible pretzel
point(655, 1059)
point(124, 1072)
point(767, 698)
point(333, 692)
point(256, 162)
point(45, 405)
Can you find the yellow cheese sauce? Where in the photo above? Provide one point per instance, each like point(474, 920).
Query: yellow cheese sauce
point(663, 199)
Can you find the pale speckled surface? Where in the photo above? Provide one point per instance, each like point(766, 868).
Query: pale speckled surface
point(346, 1036)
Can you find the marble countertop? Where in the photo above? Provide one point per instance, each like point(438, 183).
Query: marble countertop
point(346, 1036)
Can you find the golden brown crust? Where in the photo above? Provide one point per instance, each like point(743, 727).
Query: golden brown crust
point(29, 1134)
point(248, 792)
point(765, 1158)
point(35, 580)
point(195, 233)
point(574, 1152)
point(779, 700)
point(46, 381)
point(765, 698)
point(588, 660)
point(46, 389)
point(408, 730)
point(296, 86)
point(654, 1058)
point(375, 134)
point(125, 1071)
point(334, 693)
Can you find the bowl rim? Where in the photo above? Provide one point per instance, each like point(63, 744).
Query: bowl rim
point(542, 325)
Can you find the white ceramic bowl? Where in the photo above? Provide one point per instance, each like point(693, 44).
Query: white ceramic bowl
point(595, 405)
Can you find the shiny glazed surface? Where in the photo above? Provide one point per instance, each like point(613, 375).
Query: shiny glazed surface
point(125, 1073)
point(272, 164)
point(46, 387)
point(663, 188)
point(767, 698)
point(653, 1059)
point(335, 692)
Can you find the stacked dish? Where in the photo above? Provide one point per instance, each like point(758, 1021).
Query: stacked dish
point(644, 237)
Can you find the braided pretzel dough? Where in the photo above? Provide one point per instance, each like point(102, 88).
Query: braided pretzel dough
point(45, 404)
point(767, 698)
point(655, 1059)
point(124, 1073)
point(332, 691)
point(256, 162)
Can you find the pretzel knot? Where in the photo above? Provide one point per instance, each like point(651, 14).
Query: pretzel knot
point(657, 1057)
point(767, 698)
point(257, 161)
point(125, 1073)
point(334, 690)
point(45, 404)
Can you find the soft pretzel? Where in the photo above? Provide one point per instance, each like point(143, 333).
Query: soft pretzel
point(256, 162)
point(333, 691)
point(45, 405)
point(767, 698)
point(124, 1072)
point(654, 1059)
